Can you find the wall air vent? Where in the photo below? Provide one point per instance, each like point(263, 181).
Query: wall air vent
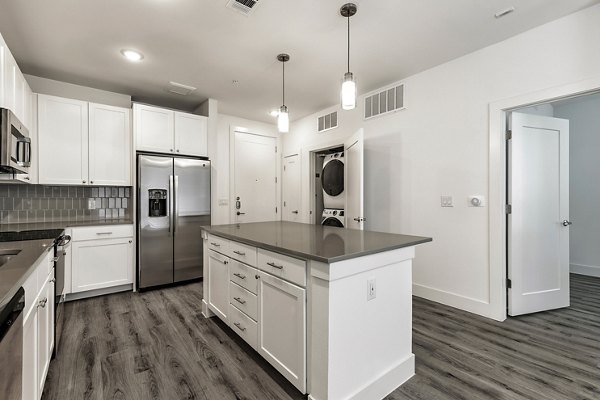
point(242, 6)
point(327, 122)
point(385, 101)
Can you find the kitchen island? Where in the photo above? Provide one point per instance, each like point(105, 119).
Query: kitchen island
point(329, 308)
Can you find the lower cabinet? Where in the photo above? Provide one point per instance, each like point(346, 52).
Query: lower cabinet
point(282, 327)
point(218, 284)
point(101, 257)
point(38, 330)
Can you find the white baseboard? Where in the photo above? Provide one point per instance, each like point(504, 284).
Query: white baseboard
point(98, 292)
point(475, 306)
point(206, 311)
point(589, 270)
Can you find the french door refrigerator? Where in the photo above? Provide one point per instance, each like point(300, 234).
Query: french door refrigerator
point(173, 204)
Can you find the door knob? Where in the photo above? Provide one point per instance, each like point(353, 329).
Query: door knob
point(240, 213)
point(567, 223)
point(295, 212)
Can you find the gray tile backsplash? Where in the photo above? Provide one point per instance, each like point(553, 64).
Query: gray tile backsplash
point(38, 203)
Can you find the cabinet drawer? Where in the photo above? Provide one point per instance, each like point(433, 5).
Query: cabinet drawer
point(285, 267)
point(101, 232)
point(243, 325)
point(243, 275)
point(243, 300)
point(243, 253)
point(219, 244)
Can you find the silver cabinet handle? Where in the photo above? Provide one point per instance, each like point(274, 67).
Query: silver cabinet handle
point(239, 253)
point(175, 205)
point(240, 275)
point(171, 208)
point(239, 300)
point(215, 244)
point(239, 326)
point(54, 259)
point(567, 223)
point(103, 233)
point(272, 264)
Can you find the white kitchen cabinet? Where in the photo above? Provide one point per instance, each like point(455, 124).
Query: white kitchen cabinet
point(30, 356)
point(218, 284)
point(103, 263)
point(191, 134)
point(82, 143)
point(62, 141)
point(282, 327)
point(154, 128)
point(45, 313)
point(161, 130)
point(14, 89)
point(10, 68)
point(109, 145)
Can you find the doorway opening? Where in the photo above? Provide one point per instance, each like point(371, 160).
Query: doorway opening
point(552, 219)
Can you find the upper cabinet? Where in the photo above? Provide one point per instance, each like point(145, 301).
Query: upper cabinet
point(165, 131)
point(82, 143)
point(15, 93)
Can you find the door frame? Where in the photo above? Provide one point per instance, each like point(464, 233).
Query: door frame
point(233, 129)
point(498, 121)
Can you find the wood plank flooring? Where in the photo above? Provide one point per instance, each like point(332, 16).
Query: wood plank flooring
point(156, 345)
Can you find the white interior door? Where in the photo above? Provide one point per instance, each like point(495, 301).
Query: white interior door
point(291, 183)
point(354, 181)
point(538, 225)
point(255, 178)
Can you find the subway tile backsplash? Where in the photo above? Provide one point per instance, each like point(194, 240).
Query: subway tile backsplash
point(39, 203)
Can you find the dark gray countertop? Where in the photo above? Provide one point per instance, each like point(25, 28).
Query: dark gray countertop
point(16, 271)
point(60, 225)
point(315, 242)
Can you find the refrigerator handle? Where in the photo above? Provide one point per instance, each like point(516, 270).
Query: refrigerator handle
point(171, 205)
point(175, 206)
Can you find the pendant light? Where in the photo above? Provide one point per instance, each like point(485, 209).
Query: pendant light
point(348, 94)
point(283, 119)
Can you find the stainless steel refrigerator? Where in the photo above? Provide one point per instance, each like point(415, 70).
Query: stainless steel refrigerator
point(173, 203)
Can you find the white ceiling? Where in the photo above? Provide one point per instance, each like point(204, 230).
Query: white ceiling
point(204, 44)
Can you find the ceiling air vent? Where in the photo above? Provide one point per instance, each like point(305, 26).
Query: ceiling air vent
point(385, 101)
point(242, 6)
point(180, 88)
point(327, 122)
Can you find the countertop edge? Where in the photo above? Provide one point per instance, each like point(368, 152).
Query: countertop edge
point(325, 260)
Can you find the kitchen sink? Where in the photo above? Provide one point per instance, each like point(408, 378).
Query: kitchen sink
point(7, 255)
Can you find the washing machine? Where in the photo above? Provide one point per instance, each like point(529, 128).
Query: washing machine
point(332, 180)
point(333, 218)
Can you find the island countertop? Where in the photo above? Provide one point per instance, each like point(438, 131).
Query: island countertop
point(314, 242)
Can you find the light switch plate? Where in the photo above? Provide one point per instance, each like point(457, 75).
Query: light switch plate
point(446, 201)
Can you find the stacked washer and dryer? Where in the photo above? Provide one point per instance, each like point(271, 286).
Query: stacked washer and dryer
point(334, 197)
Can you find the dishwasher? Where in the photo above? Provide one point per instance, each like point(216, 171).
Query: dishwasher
point(11, 347)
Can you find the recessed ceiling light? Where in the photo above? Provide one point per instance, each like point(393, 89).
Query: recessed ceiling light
point(274, 113)
point(502, 13)
point(132, 55)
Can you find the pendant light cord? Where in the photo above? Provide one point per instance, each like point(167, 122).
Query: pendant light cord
point(283, 82)
point(348, 42)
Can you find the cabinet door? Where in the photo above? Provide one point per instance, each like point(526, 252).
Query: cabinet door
point(45, 332)
point(97, 264)
point(30, 355)
point(3, 51)
point(282, 327)
point(218, 284)
point(110, 148)
point(154, 128)
point(62, 140)
point(191, 134)
point(10, 69)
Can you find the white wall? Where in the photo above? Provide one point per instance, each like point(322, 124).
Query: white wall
point(77, 92)
point(220, 160)
point(584, 168)
point(439, 145)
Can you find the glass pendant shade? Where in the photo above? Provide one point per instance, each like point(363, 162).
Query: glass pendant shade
point(348, 92)
point(283, 120)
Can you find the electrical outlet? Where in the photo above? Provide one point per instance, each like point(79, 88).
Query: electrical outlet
point(371, 289)
point(446, 201)
point(91, 204)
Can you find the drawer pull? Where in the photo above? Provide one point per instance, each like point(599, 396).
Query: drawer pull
point(240, 275)
point(272, 264)
point(215, 244)
point(239, 326)
point(239, 300)
point(239, 253)
point(103, 233)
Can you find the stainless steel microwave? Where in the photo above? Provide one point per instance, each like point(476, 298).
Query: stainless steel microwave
point(15, 144)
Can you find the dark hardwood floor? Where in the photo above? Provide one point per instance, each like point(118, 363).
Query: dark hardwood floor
point(156, 345)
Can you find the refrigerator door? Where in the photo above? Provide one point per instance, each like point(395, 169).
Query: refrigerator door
point(155, 235)
point(192, 211)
